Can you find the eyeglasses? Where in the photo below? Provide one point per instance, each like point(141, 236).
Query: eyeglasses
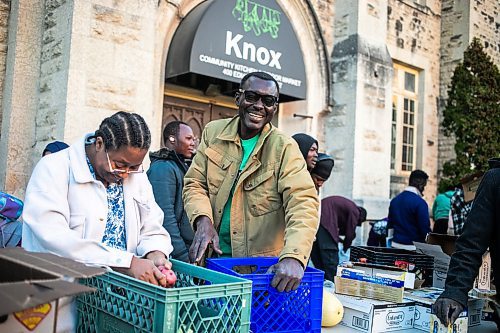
point(140, 168)
point(253, 97)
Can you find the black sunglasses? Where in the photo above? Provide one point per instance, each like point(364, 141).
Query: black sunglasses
point(253, 97)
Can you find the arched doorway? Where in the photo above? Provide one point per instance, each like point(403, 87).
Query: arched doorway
point(199, 104)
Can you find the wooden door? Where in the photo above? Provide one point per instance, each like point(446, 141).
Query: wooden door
point(196, 113)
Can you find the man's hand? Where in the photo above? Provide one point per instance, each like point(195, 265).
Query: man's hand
point(145, 270)
point(447, 310)
point(288, 273)
point(159, 259)
point(205, 234)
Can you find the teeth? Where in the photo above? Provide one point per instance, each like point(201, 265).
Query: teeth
point(256, 116)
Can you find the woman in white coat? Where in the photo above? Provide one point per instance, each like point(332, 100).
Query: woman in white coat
point(93, 203)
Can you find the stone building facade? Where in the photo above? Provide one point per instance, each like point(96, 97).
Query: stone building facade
point(376, 74)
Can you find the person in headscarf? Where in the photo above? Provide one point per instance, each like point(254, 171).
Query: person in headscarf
point(323, 169)
point(54, 147)
point(308, 147)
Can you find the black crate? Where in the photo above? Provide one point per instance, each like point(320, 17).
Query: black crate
point(424, 264)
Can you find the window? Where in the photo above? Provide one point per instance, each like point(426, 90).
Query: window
point(404, 119)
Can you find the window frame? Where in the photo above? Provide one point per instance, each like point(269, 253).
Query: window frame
point(399, 95)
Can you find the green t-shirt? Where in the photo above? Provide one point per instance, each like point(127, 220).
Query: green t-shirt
point(225, 224)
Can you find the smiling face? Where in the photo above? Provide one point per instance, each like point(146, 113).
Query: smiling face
point(254, 115)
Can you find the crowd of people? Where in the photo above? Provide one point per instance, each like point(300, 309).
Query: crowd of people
point(248, 189)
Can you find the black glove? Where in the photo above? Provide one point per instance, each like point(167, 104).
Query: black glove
point(447, 310)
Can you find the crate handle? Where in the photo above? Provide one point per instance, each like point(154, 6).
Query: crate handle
point(109, 290)
point(209, 316)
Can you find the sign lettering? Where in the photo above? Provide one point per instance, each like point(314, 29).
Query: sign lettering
point(258, 18)
point(250, 52)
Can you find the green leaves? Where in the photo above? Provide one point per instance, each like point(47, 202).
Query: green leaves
point(472, 114)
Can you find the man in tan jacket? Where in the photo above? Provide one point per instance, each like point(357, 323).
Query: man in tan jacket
point(248, 191)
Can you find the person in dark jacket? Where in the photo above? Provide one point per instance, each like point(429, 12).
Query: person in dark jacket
point(339, 216)
point(54, 147)
point(166, 174)
point(481, 230)
point(309, 148)
point(322, 170)
point(409, 213)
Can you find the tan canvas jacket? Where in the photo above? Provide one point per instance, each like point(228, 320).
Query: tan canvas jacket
point(274, 210)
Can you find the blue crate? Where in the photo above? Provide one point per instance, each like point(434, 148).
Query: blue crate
point(202, 301)
point(272, 311)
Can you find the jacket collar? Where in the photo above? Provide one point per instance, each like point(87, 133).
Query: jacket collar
point(78, 161)
point(413, 189)
point(230, 132)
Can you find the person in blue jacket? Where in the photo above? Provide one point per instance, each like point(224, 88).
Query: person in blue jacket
point(409, 213)
point(166, 174)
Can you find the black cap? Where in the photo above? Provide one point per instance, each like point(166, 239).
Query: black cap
point(324, 166)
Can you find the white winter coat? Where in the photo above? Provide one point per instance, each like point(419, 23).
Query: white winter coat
point(66, 209)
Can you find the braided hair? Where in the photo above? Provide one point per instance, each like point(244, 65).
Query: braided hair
point(172, 129)
point(124, 129)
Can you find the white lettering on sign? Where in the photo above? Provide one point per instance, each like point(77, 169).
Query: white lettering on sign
point(235, 70)
point(250, 52)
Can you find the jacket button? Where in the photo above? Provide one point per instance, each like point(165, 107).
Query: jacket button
point(295, 251)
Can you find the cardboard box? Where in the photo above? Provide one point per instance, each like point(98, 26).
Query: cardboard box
point(470, 184)
point(441, 247)
point(372, 316)
point(460, 325)
point(483, 280)
point(370, 282)
point(30, 285)
point(425, 298)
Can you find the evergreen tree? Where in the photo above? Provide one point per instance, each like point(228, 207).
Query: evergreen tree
point(472, 114)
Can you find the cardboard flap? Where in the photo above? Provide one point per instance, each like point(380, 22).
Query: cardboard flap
point(433, 250)
point(446, 242)
point(50, 263)
point(23, 295)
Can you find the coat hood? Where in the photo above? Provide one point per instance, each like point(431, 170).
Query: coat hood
point(494, 163)
point(162, 154)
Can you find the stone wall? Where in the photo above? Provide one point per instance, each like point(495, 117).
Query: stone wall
point(20, 94)
point(485, 18)
point(325, 12)
point(413, 40)
point(113, 64)
point(361, 78)
point(4, 22)
point(58, 18)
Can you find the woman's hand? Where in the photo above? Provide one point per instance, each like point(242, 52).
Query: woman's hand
point(146, 269)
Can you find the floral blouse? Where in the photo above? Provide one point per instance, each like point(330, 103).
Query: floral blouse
point(114, 234)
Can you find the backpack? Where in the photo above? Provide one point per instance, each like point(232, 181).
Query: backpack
point(11, 209)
